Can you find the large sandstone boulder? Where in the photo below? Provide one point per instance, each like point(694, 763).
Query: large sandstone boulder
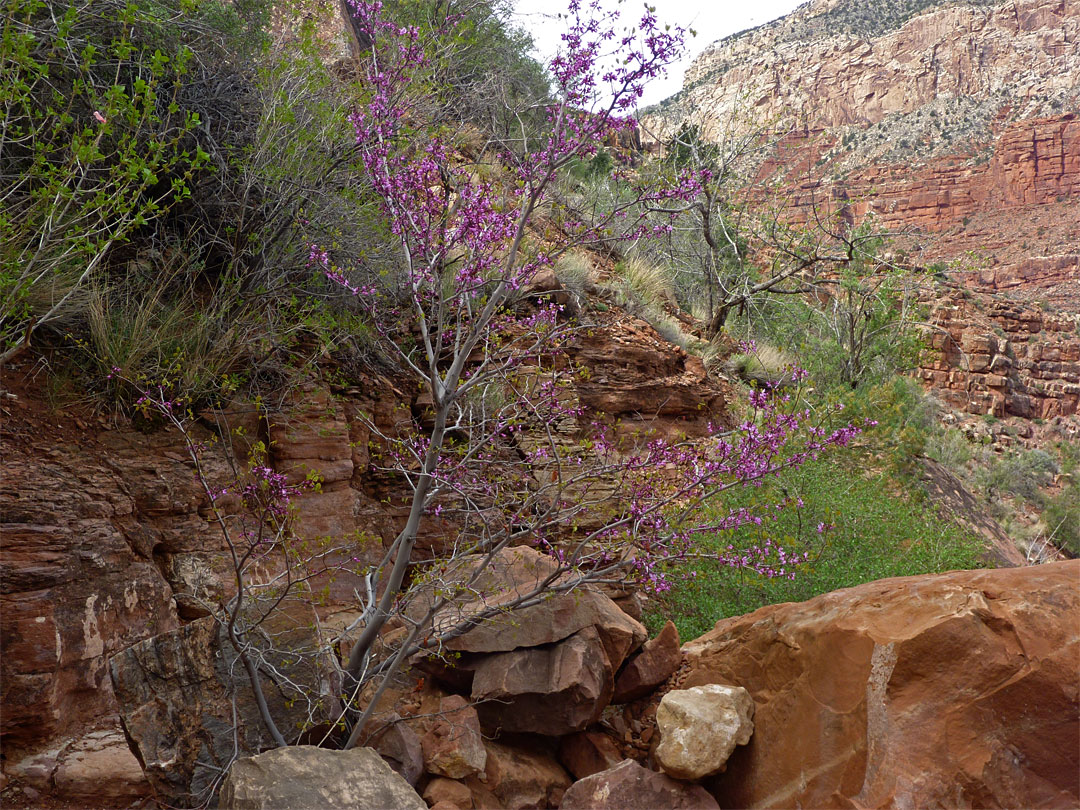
point(628, 786)
point(700, 727)
point(547, 668)
point(188, 708)
point(959, 689)
point(95, 770)
point(513, 573)
point(308, 778)
point(553, 690)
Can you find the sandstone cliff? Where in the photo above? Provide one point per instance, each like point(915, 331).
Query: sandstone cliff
point(957, 128)
point(806, 67)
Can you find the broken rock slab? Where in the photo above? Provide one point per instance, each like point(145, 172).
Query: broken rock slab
point(656, 662)
point(453, 746)
point(552, 690)
point(512, 574)
point(588, 752)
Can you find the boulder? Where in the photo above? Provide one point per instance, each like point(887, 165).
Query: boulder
point(700, 727)
point(448, 792)
point(518, 778)
point(452, 744)
point(553, 690)
point(656, 662)
point(400, 746)
point(513, 573)
point(95, 770)
point(629, 786)
point(588, 752)
point(545, 284)
point(304, 777)
point(182, 694)
point(510, 575)
point(956, 689)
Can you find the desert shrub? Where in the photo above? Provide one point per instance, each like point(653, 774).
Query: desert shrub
point(1021, 473)
point(97, 139)
point(155, 328)
point(951, 448)
point(1061, 517)
point(182, 251)
point(671, 330)
point(763, 364)
point(481, 68)
point(575, 271)
point(648, 281)
point(861, 337)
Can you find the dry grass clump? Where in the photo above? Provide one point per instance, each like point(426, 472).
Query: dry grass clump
point(765, 364)
point(649, 282)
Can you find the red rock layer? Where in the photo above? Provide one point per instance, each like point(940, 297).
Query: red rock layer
point(1034, 162)
point(1003, 358)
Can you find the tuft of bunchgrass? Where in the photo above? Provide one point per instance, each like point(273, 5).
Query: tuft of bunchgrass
point(647, 281)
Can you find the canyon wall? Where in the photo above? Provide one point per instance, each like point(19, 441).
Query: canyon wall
point(956, 128)
point(806, 67)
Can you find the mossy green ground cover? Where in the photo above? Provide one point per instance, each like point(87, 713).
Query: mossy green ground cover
point(881, 526)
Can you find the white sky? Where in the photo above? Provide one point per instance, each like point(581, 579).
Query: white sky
point(712, 19)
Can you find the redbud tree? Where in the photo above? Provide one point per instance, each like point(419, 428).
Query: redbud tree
point(507, 454)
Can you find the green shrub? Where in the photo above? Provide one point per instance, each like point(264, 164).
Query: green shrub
point(246, 148)
point(1062, 519)
point(1021, 473)
point(482, 71)
point(97, 141)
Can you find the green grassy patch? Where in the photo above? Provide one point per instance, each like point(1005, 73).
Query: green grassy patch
point(879, 529)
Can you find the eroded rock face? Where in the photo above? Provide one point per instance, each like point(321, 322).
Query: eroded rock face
point(448, 792)
point(646, 383)
point(1003, 358)
point(80, 530)
point(957, 124)
point(629, 786)
point(700, 727)
point(799, 64)
point(308, 778)
point(947, 690)
point(187, 706)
